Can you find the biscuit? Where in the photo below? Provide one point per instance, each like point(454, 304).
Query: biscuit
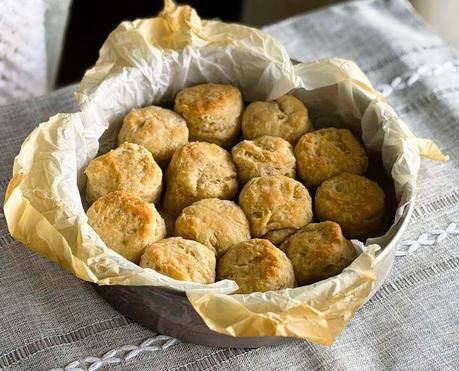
point(159, 130)
point(126, 223)
point(199, 170)
point(275, 203)
point(285, 117)
point(181, 259)
point(129, 168)
point(263, 156)
point(318, 251)
point(353, 201)
point(212, 112)
point(218, 224)
point(256, 266)
point(325, 153)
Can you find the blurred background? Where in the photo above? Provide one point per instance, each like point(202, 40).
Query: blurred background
point(45, 44)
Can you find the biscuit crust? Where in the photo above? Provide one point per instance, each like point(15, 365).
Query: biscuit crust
point(158, 129)
point(182, 259)
point(327, 152)
point(264, 156)
point(199, 170)
point(129, 168)
point(218, 224)
point(356, 203)
point(286, 117)
point(126, 223)
point(275, 202)
point(212, 112)
point(256, 266)
point(318, 251)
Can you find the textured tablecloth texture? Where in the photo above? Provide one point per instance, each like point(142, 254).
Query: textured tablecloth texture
point(411, 323)
point(22, 50)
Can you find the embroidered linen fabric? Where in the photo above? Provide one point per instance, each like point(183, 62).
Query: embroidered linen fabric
point(41, 329)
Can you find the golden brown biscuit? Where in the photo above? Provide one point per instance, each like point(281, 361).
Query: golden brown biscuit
point(256, 266)
point(218, 224)
point(325, 153)
point(212, 112)
point(264, 156)
point(184, 260)
point(275, 202)
point(354, 202)
point(286, 117)
point(318, 251)
point(159, 130)
point(129, 168)
point(126, 223)
point(199, 170)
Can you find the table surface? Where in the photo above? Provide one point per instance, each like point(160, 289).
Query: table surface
point(411, 322)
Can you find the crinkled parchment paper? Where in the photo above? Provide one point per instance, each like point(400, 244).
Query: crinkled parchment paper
point(147, 62)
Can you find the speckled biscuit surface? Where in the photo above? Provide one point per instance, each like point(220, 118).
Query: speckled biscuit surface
point(256, 266)
point(275, 202)
point(262, 156)
point(129, 168)
point(318, 251)
point(285, 117)
point(182, 259)
point(199, 170)
point(126, 223)
point(212, 112)
point(218, 224)
point(158, 129)
point(356, 203)
point(327, 152)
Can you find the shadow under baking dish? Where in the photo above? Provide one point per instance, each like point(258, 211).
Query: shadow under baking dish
point(169, 312)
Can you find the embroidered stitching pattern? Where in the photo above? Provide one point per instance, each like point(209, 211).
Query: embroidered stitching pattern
point(410, 77)
point(120, 354)
point(432, 237)
point(44, 343)
point(439, 203)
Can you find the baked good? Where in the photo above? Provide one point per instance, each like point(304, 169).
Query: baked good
point(353, 201)
point(199, 170)
point(263, 156)
point(184, 260)
point(129, 168)
point(212, 112)
point(275, 203)
point(158, 129)
point(318, 251)
point(327, 152)
point(285, 117)
point(257, 266)
point(126, 223)
point(218, 224)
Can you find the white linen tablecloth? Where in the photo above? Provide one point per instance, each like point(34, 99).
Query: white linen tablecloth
point(412, 321)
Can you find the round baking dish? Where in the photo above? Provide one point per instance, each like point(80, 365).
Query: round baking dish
point(169, 312)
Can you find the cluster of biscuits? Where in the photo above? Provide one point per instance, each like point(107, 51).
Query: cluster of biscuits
point(267, 240)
